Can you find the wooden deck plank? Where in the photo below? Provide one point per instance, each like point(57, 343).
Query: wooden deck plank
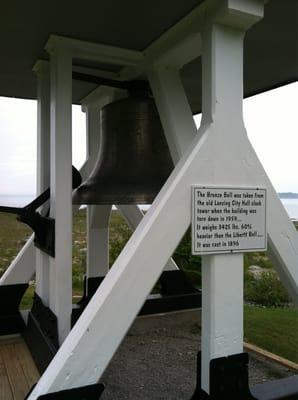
point(10, 339)
point(29, 368)
point(15, 373)
point(5, 388)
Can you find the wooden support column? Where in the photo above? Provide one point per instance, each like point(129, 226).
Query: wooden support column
point(222, 275)
point(61, 187)
point(42, 70)
point(97, 216)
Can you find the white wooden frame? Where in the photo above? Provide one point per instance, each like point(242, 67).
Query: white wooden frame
point(94, 339)
point(91, 344)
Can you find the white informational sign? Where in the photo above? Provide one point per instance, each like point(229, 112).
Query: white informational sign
point(226, 220)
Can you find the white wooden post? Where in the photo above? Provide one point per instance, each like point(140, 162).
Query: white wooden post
point(42, 70)
point(97, 216)
point(61, 187)
point(222, 275)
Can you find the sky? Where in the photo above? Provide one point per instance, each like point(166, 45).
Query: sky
point(271, 121)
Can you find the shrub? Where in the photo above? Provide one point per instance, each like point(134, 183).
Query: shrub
point(257, 258)
point(267, 290)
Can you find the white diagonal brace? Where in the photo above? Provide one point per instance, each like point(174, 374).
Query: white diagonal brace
point(22, 267)
point(174, 110)
point(133, 216)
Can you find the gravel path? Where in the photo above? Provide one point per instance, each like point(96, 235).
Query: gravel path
point(157, 360)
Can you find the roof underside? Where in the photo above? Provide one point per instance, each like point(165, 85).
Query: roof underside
point(270, 52)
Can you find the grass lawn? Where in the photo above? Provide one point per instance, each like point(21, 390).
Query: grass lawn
point(274, 329)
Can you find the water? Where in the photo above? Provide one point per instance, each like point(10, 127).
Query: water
point(15, 201)
point(291, 205)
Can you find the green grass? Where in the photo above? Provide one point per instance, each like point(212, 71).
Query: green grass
point(13, 235)
point(274, 329)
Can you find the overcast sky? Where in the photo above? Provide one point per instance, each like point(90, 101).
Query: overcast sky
point(271, 120)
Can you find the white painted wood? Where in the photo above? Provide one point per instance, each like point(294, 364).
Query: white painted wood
point(89, 347)
point(22, 267)
point(174, 110)
point(222, 309)
point(96, 72)
point(94, 51)
point(101, 96)
point(180, 43)
point(61, 188)
point(80, 360)
point(222, 275)
point(42, 71)
point(175, 47)
point(133, 216)
point(139, 265)
point(98, 218)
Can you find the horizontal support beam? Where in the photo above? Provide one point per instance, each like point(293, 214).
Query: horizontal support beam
point(95, 52)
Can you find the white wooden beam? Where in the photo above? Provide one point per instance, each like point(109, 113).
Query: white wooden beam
point(61, 187)
point(95, 52)
point(22, 267)
point(174, 110)
point(181, 43)
point(98, 218)
point(133, 216)
point(42, 70)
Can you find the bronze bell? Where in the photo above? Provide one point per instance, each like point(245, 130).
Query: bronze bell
point(134, 159)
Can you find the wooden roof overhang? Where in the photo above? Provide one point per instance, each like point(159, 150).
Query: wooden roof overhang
point(270, 48)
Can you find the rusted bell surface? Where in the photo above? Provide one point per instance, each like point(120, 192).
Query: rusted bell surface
point(134, 160)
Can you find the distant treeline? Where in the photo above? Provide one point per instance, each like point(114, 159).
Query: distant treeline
point(288, 195)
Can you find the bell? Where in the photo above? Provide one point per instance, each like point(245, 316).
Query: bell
point(134, 159)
